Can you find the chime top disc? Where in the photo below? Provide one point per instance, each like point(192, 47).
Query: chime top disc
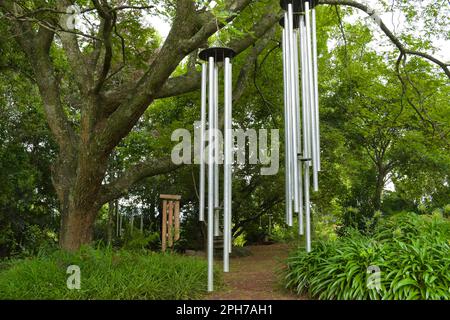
point(298, 5)
point(218, 53)
point(296, 21)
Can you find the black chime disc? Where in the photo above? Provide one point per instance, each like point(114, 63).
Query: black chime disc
point(298, 5)
point(296, 21)
point(218, 53)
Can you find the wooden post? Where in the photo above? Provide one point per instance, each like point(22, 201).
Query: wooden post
point(164, 226)
point(177, 220)
point(170, 226)
point(170, 220)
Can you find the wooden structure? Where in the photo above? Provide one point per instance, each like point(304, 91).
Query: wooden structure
point(170, 231)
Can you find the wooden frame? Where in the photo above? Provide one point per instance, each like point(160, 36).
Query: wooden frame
point(170, 230)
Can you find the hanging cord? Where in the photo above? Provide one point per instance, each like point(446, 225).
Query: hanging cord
point(195, 184)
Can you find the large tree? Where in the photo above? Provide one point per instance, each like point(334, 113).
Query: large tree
point(101, 95)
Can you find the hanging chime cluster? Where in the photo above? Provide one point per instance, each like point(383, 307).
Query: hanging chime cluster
point(302, 139)
point(301, 111)
point(213, 59)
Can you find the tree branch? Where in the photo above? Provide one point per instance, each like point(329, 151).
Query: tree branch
point(388, 32)
point(131, 176)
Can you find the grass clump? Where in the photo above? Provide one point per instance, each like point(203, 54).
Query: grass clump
point(411, 252)
point(105, 274)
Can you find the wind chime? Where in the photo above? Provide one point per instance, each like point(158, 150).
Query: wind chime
point(213, 59)
point(302, 151)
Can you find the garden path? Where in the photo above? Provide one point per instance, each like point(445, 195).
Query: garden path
point(256, 277)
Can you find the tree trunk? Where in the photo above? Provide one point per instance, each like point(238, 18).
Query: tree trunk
point(379, 187)
point(77, 228)
point(111, 212)
point(77, 189)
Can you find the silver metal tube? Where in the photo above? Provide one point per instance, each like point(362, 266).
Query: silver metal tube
point(230, 156)
point(305, 99)
point(316, 85)
point(296, 120)
point(292, 106)
point(217, 154)
point(305, 117)
point(287, 139)
point(210, 247)
point(311, 97)
point(307, 210)
point(226, 176)
point(300, 190)
point(202, 142)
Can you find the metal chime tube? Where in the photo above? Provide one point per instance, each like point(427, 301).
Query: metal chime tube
point(211, 108)
point(230, 154)
point(288, 175)
point(316, 84)
point(306, 145)
point(202, 143)
point(297, 127)
point(310, 127)
point(216, 153)
point(307, 209)
point(311, 97)
point(305, 107)
point(293, 135)
point(227, 167)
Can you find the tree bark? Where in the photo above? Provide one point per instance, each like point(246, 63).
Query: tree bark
point(77, 228)
point(111, 212)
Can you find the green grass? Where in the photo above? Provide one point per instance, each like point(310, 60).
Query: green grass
point(105, 274)
point(412, 252)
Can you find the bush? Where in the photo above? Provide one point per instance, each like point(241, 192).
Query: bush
point(412, 252)
point(105, 274)
point(138, 240)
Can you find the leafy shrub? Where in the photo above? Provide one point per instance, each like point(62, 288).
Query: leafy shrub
point(105, 274)
point(281, 234)
point(411, 251)
point(354, 218)
point(240, 240)
point(446, 210)
point(138, 240)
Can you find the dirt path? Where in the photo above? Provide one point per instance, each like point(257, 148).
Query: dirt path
point(255, 277)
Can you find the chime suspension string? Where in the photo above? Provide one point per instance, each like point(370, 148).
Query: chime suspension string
point(316, 84)
point(311, 97)
point(202, 142)
point(293, 135)
point(288, 175)
point(211, 108)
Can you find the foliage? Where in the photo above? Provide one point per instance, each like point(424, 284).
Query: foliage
point(239, 241)
point(105, 274)
point(138, 240)
point(412, 252)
